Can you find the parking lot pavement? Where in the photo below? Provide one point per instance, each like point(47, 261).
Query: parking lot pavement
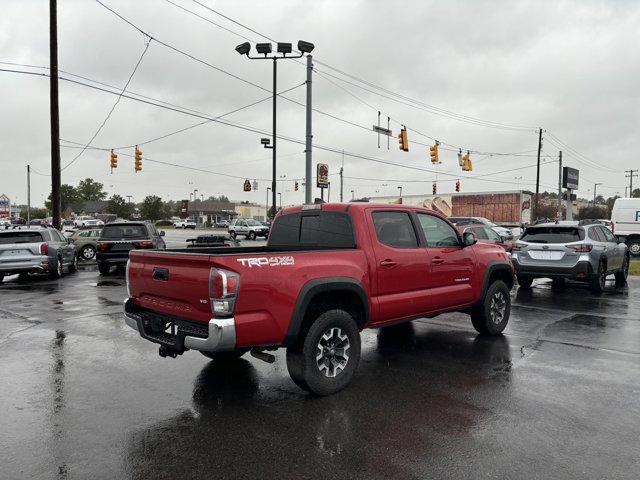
point(556, 397)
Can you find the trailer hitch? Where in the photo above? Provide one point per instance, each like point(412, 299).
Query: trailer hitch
point(165, 352)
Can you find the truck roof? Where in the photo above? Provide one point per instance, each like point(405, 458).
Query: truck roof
point(344, 207)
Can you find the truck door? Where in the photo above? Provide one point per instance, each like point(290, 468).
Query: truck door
point(401, 266)
point(452, 265)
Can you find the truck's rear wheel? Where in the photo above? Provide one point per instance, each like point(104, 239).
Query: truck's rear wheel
point(492, 316)
point(326, 357)
point(229, 356)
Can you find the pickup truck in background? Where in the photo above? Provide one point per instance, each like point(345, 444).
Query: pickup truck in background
point(327, 272)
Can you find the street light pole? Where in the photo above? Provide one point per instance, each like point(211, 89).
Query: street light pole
point(400, 188)
point(309, 137)
point(275, 95)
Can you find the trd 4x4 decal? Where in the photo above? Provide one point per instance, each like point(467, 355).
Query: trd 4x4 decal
point(266, 261)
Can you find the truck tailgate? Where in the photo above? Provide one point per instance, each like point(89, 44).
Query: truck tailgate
point(174, 284)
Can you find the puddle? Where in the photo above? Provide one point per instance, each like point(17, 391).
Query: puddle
point(106, 283)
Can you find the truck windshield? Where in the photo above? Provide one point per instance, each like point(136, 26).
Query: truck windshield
point(20, 237)
point(124, 231)
point(553, 235)
point(317, 229)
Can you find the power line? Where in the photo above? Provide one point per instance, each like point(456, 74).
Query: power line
point(113, 107)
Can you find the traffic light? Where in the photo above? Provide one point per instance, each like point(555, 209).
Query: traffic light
point(466, 163)
point(402, 140)
point(435, 188)
point(295, 186)
point(457, 185)
point(247, 186)
point(114, 160)
point(433, 153)
point(138, 160)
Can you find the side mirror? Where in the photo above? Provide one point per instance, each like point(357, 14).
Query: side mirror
point(469, 238)
point(162, 233)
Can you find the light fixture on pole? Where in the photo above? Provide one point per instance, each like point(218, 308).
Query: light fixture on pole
point(284, 49)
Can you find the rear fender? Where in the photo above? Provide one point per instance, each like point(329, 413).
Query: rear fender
point(322, 286)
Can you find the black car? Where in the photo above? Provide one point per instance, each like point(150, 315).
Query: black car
point(118, 238)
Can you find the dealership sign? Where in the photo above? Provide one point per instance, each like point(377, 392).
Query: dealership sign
point(322, 175)
point(5, 206)
point(570, 178)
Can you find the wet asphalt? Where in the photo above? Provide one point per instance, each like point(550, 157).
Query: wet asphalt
point(84, 397)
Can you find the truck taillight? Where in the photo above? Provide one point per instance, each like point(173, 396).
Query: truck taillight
point(126, 275)
point(223, 291)
point(44, 249)
point(613, 227)
point(144, 244)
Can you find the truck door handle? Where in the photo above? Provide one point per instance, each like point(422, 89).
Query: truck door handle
point(437, 260)
point(388, 263)
point(161, 274)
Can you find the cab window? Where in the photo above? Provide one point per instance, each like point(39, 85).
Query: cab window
point(395, 229)
point(439, 234)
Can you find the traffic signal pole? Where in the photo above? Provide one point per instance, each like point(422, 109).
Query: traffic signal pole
point(54, 113)
point(275, 96)
point(309, 137)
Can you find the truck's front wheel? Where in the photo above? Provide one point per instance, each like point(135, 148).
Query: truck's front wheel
point(324, 360)
point(491, 317)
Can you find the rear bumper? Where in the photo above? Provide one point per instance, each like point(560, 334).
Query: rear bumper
point(218, 336)
point(111, 259)
point(33, 265)
point(580, 271)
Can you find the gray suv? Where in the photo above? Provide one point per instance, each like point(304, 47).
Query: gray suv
point(584, 251)
point(25, 250)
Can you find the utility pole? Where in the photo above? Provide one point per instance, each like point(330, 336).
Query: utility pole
point(560, 185)
point(28, 193)
point(595, 188)
point(266, 206)
point(54, 113)
point(342, 179)
point(538, 175)
point(273, 138)
point(309, 136)
point(400, 188)
point(630, 177)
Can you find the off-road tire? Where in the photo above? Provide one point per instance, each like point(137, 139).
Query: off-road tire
point(623, 273)
point(223, 357)
point(104, 268)
point(524, 281)
point(303, 357)
point(598, 280)
point(492, 315)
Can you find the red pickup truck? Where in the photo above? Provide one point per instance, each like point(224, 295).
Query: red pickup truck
point(327, 272)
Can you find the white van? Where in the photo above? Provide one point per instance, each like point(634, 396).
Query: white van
point(626, 223)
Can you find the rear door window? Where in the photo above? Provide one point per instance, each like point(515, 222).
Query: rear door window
point(395, 229)
point(20, 237)
point(594, 233)
point(323, 229)
point(609, 237)
point(553, 235)
point(124, 231)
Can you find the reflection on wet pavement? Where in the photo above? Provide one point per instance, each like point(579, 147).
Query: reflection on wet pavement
point(555, 397)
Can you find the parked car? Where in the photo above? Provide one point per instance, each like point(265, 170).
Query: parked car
point(18, 221)
point(86, 241)
point(486, 234)
point(117, 239)
point(85, 221)
point(5, 222)
point(328, 271)
point(222, 224)
point(39, 222)
point(35, 250)
point(185, 223)
point(625, 217)
point(587, 252)
point(505, 232)
point(247, 227)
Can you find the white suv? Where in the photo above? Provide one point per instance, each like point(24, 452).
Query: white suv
point(248, 227)
point(87, 222)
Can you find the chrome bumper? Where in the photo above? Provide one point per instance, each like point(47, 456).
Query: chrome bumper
point(222, 332)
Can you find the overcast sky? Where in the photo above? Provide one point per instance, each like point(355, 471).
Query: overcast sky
point(570, 67)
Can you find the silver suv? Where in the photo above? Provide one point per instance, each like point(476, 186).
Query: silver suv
point(248, 227)
point(584, 251)
point(25, 250)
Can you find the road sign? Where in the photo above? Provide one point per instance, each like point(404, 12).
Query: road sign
point(570, 178)
point(5, 206)
point(383, 131)
point(322, 174)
